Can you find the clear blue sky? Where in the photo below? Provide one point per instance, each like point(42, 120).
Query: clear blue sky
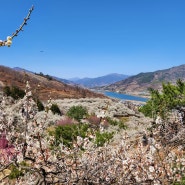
point(91, 38)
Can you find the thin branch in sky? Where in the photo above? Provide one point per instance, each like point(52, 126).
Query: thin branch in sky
point(8, 41)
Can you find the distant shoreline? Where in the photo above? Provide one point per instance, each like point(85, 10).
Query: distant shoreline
point(138, 94)
point(125, 97)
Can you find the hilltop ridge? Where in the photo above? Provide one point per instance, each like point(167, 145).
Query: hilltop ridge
point(42, 85)
point(140, 83)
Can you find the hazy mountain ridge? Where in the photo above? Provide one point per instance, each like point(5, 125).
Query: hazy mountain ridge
point(139, 84)
point(100, 81)
point(86, 82)
point(42, 86)
point(56, 78)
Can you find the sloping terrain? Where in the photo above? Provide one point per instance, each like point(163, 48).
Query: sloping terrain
point(54, 77)
point(140, 83)
point(130, 149)
point(42, 86)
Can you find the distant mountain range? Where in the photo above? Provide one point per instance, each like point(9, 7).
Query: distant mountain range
point(100, 81)
point(139, 84)
point(136, 84)
point(87, 82)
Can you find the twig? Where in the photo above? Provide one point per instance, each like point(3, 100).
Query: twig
point(24, 23)
point(8, 41)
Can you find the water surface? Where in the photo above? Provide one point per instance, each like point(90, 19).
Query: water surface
point(124, 96)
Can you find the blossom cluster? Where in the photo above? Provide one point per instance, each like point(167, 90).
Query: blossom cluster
point(8, 42)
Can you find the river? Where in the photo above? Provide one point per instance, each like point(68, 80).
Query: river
point(124, 96)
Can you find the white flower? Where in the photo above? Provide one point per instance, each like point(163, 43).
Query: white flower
point(9, 38)
point(151, 169)
point(8, 43)
point(107, 178)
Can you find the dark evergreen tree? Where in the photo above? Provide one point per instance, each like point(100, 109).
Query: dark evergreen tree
point(55, 109)
point(171, 97)
point(77, 112)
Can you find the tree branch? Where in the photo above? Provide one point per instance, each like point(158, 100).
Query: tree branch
point(8, 41)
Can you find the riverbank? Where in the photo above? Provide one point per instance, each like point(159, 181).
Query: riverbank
point(130, 96)
point(125, 97)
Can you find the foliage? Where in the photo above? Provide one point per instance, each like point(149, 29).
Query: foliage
point(7, 90)
point(49, 77)
point(55, 109)
point(45, 76)
point(40, 105)
point(66, 134)
point(171, 96)
point(14, 92)
point(102, 138)
point(15, 172)
point(180, 183)
point(119, 123)
point(77, 112)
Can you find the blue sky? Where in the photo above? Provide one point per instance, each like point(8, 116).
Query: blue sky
point(91, 38)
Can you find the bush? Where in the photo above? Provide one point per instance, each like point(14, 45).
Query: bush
point(102, 138)
point(40, 105)
point(45, 76)
point(7, 91)
point(120, 123)
point(77, 112)
point(15, 172)
point(66, 134)
point(14, 92)
point(171, 97)
point(55, 109)
point(93, 119)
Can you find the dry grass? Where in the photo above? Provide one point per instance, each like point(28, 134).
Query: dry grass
point(52, 88)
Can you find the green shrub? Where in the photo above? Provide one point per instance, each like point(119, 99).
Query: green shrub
point(102, 138)
point(111, 121)
point(119, 123)
point(40, 105)
point(171, 97)
point(77, 112)
point(122, 125)
point(48, 77)
point(55, 109)
point(7, 91)
point(15, 172)
point(45, 76)
point(14, 92)
point(66, 134)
